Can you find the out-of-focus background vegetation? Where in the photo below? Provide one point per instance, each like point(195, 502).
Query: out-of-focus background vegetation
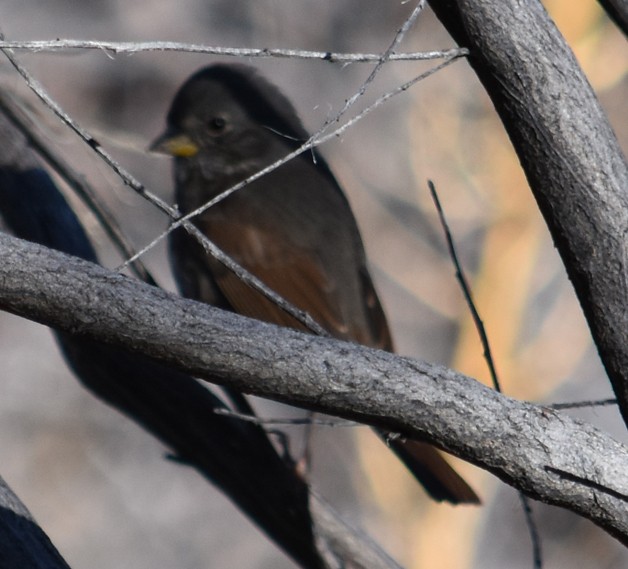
point(101, 487)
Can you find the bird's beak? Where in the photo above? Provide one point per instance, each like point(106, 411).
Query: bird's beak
point(174, 144)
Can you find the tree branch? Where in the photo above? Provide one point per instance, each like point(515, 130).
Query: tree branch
point(136, 47)
point(236, 456)
point(523, 444)
point(568, 151)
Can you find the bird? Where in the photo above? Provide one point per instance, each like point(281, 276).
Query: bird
point(292, 228)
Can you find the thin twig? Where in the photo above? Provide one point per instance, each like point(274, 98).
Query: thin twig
point(80, 186)
point(311, 143)
point(580, 404)
point(292, 421)
point(173, 213)
point(466, 290)
point(209, 246)
point(137, 47)
point(383, 59)
point(125, 176)
point(488, 356)
point(306, 459)
point(537, 554)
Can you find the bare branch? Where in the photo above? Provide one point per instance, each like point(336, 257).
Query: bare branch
point(136, 47)
point(210, 248)
point(488, 356)
point(581, 404)
point(315, 140)
point(384, 58)
point(237, 457)
point(466, 289)
point(568, 151)
point(290, 421)
point(172, 212)
point(81, 187)
point(516, 441)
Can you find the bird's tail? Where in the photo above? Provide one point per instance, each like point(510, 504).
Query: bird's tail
point(431, 469)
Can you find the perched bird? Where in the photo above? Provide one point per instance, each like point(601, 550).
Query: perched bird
point(293, 228)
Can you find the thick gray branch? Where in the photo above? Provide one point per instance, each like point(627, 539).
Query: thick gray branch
point(237, 457)
point(568, 150)
point(525, 445)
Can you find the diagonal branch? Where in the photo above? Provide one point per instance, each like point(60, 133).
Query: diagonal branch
point(83, 189)
point(237, 457)
point(523, 444)
point(568, 151)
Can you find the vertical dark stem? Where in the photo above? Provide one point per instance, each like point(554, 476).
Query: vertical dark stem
point(568, 151)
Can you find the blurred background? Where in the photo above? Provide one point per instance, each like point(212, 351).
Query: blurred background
point(101, 488)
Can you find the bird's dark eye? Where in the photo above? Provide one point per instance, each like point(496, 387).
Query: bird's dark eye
point(217, 125)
